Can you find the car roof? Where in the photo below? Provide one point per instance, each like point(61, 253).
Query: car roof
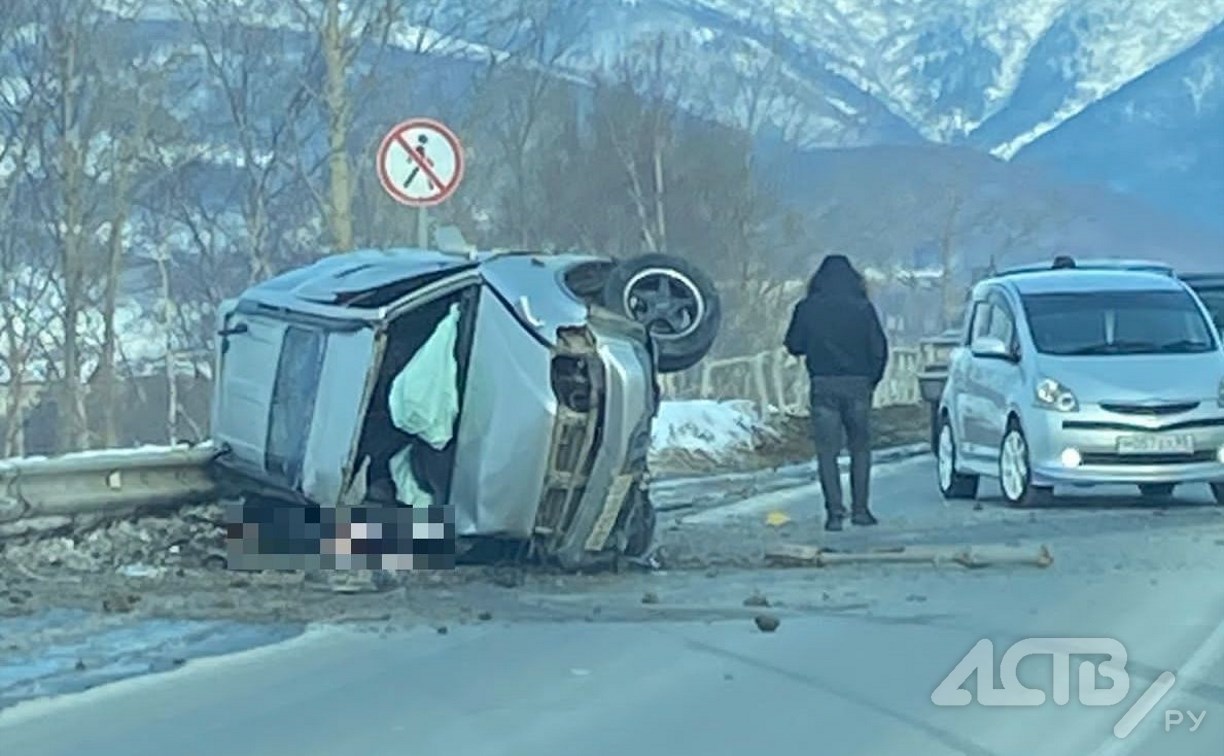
point(363, 269)
point(1074, 280)
point(1092, 264)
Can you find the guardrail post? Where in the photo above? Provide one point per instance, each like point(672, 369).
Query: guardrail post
point(779, 379)
point(762, 386)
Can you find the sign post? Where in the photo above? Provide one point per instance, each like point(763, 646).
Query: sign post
point(422, 227)
point(420, 165)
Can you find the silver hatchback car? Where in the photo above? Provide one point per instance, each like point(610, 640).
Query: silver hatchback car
point(1083, 377)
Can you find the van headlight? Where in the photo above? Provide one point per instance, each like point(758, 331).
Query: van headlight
point(1053, 395)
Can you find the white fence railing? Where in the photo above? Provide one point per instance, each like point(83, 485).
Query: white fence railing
point(775, 379)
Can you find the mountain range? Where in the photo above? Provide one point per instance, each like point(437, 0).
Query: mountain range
point(1124, 93)
point(1124, 96)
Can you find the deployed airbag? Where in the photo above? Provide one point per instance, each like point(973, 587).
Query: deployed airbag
point(424, 399)
point(424, 403)
point(407, 491)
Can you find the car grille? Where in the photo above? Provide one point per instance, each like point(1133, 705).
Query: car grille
point(1148, 409)
point(1148, 459)
point(577, 434)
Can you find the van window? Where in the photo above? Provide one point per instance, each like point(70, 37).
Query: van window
point(293, 402)
point(1213, 300)
point(980, 324)
point(1117, 322)
point(1001, 325)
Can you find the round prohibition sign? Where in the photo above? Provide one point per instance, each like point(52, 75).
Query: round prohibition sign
point(420, 163)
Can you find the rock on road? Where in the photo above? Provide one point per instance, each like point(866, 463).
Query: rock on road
point(850, 670)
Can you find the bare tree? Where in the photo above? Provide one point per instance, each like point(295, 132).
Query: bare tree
point(25, 285)
point(188, 256)
point(993, 219)
point(134, 166)
point(762, 96)
point(244, 68)
point(642, 135)
point(64, 68)
point(517, 92)
point(345, 30)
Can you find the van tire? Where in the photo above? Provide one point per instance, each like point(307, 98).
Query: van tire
point(952, 484)
point(1016, 472)
point(674, 299)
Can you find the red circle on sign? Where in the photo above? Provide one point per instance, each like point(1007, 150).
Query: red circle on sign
point(394, 137)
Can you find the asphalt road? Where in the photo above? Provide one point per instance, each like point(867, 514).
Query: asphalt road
point(594, 670)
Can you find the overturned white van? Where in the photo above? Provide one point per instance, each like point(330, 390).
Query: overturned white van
point(516, 388)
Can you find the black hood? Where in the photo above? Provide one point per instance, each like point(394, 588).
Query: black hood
point(836, 277)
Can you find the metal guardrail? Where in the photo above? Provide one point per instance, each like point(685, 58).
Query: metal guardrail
point(45, 493)
point(775, 379)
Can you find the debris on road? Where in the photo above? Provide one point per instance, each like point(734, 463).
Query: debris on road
point(791, 554)
point(756, 599)
point(137, 547)
point(777, 519)
point(349, 581)
point(766, 623)
point(120, 603)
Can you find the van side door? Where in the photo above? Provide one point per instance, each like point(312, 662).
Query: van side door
point(971, 408)
point(999, 377)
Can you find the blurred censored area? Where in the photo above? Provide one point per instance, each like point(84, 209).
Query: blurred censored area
point(271, 535)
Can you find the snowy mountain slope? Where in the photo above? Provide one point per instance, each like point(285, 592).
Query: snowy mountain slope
point(948, 67)
point(1166, 137)
point(1106, 84)
point(1000, 73)
point(1003, 76)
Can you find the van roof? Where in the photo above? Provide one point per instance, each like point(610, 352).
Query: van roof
point(356, 286)
point(1072, 280)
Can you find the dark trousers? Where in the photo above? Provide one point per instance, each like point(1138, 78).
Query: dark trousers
point(842, 404)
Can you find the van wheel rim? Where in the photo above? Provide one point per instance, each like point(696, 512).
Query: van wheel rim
point(1013, 464)
point(668, 302)
point(945, 458)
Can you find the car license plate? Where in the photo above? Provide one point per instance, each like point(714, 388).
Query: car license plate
point(1155, 444)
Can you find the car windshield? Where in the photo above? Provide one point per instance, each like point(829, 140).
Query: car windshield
point(1117, 323)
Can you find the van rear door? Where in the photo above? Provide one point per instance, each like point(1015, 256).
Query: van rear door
point(248, 347)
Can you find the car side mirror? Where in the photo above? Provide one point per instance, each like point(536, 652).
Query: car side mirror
point(990, 348)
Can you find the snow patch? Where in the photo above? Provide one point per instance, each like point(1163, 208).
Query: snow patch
point(157, 452)
point(706, 426)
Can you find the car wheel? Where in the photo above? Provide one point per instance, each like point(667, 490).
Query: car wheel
point(1217, 490)
point(1015, 472)
point(675, 300)
point(1156, 490)
point(952, 485)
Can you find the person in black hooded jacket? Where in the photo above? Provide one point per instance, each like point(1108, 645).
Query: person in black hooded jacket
point(837, 331)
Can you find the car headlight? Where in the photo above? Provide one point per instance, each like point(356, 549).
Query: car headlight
point(1053, 395)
